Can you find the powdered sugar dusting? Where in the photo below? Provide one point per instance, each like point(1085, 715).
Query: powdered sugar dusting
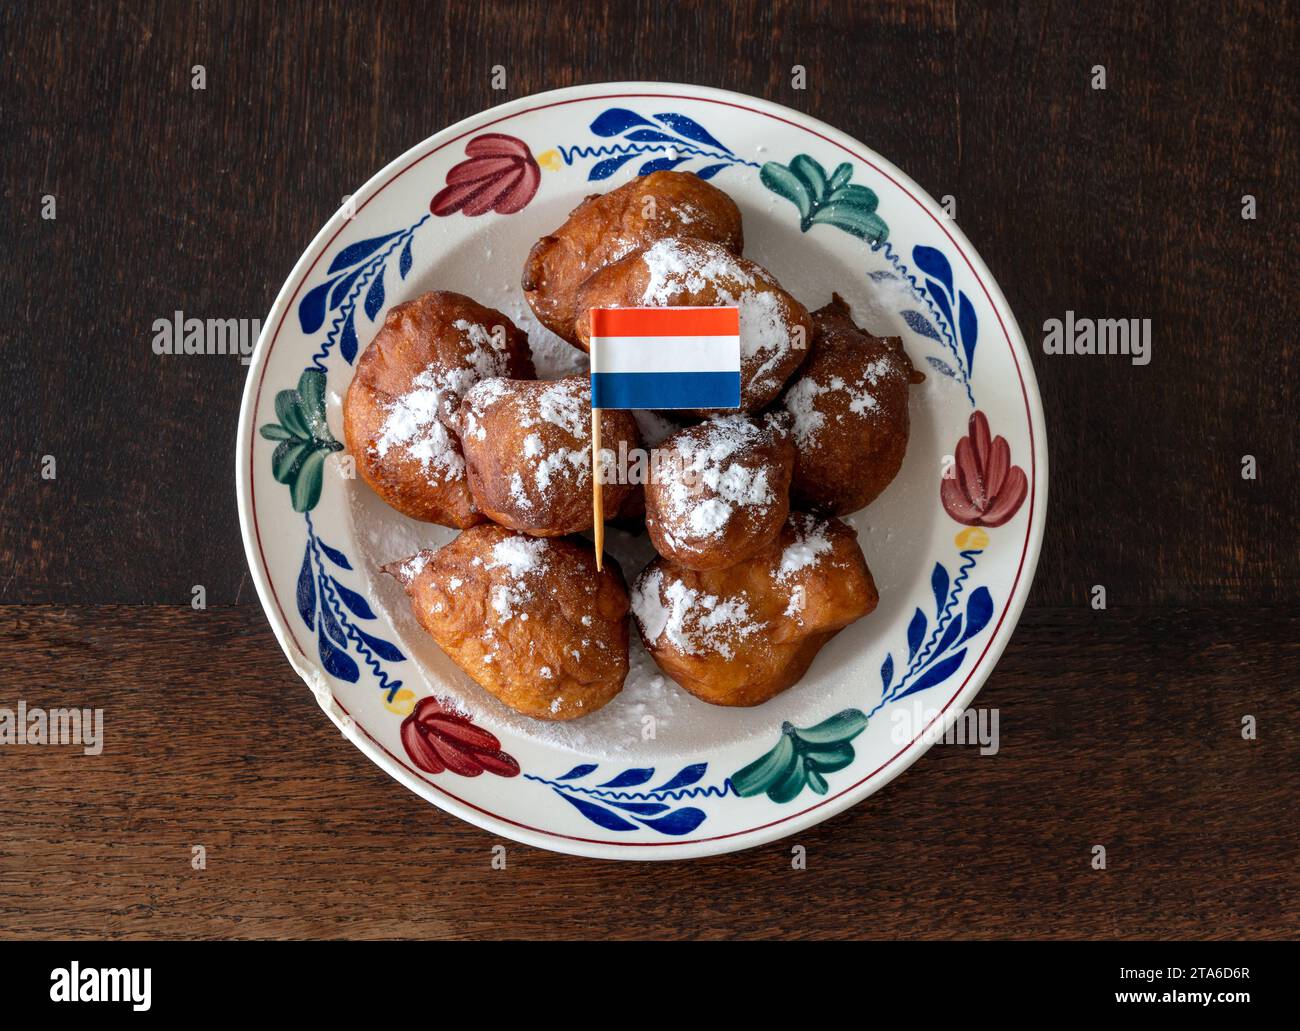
point(567, 405)
point(714, 478)
point(548, 464)
point(414, 566)
point(414, 424)
point(765, 333)
point(520, 555)
point(693, 622)
point(810, 543)
point(524, 560)
point(801, 400)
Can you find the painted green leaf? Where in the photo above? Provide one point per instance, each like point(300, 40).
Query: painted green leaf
point(802, 757)
point(830, 201)
point(785, 788)
point(311, 391)
point(779, 179)
point(829, 758)
point(274, 431)
point(858, 196)
point(843, 726)
point(811, 175)
point(755, 778)
point(852, 219)
point(288, 457)
point(288, 409)
point(305, 490)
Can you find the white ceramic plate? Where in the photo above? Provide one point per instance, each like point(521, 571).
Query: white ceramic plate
point(656, 774)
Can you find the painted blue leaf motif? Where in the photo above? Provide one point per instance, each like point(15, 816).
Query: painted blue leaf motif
point(404, 262)
point(307, 590)
point(598, 815)
point(311, 311)
point(939, 584)
point(604, 169)
point(659, 165)
point(881, 276)
point(979, 610)
point(337, 664)
point(915, 631)
point(638, 808)
point(334, 555)
point(940, 299)
point(920, 324)
point(358, 251)
point(886, 673)
point(385, 650)
point(354, 601)
point(630, 778)
point(941, 367)
point(936, 674)
point(651, 136)
point(970, 330)
point(341, 287)
point(949, 635)
point(933, 263)
point(684, 778)
point(689, 128)
point(578, 771)
point(375, 296)
point(616, 120)
point(709, 171)
point(348, 341)
point(680, 821)
point(331, 624)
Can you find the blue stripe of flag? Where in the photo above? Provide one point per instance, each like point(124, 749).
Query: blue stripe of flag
point(665, 389)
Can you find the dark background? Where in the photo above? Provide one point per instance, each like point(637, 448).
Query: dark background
point(1119, 727)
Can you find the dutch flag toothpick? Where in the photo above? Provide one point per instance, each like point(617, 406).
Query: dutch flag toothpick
point(659, 358)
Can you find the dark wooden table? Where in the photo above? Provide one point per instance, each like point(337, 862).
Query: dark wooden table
point(1119, 727)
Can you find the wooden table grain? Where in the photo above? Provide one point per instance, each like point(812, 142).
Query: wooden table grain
point(1119, 727)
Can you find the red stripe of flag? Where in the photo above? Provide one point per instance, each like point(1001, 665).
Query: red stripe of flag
point(665, 322)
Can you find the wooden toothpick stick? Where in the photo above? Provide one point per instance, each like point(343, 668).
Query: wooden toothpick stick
point(597, 494)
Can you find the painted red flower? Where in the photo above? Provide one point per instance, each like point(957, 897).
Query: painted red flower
point(985, 489)
point(499, 174)
point(438, 740)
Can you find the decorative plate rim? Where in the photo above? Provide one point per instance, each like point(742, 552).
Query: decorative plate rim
point(310, 671)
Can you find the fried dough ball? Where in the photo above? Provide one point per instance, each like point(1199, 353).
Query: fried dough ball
point(527, 446)
point(398, 413)
point(604, 227)
point(775, 329)
point(849, 410)
point(529, 618)
point(720, 491)
point(742, 635)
